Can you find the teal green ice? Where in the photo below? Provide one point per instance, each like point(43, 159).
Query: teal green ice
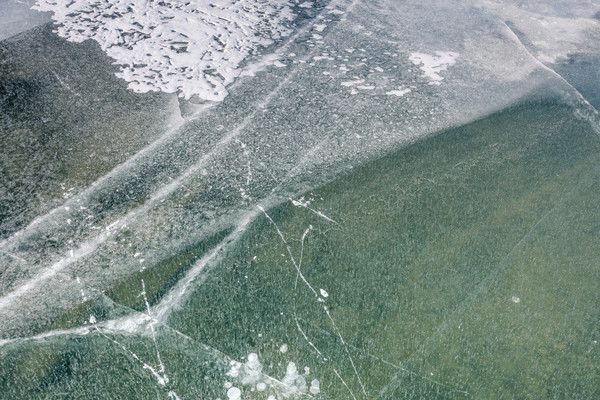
point(464, 266)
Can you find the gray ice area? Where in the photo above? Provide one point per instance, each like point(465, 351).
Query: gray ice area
point(16, 16)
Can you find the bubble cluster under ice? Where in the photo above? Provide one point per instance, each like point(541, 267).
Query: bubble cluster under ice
point(250, 375)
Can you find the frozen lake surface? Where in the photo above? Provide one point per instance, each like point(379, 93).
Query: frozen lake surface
point(299, 199)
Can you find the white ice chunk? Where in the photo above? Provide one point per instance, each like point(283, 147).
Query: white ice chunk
point(293, 379)
point(253, 362)
point(252, 370)
point(399, 92)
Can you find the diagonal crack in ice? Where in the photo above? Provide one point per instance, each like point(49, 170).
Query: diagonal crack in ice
point(318, 299)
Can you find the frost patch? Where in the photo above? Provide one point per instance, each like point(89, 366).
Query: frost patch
point(432, 65)
point(192, 48)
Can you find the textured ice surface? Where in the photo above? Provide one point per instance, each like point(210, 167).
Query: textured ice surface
point(320, 232)
point(285, 130)
point(551, 34)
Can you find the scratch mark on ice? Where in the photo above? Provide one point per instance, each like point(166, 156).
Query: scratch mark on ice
point(160, 363)
point(295, 290)
point(344, 383)
point(301, 203)
point(318, 298)
point(162, 380)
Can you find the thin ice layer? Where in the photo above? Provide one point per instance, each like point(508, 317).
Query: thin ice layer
point(550, 33)
point(458, 263)
point(284, 130)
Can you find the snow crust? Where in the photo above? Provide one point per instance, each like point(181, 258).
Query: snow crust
point(193, 47)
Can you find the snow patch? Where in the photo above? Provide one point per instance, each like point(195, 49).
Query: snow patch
point(432, 65)
point(194, 47)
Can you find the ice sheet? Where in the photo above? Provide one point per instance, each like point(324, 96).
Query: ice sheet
point(318, 232)
point(261, 145)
